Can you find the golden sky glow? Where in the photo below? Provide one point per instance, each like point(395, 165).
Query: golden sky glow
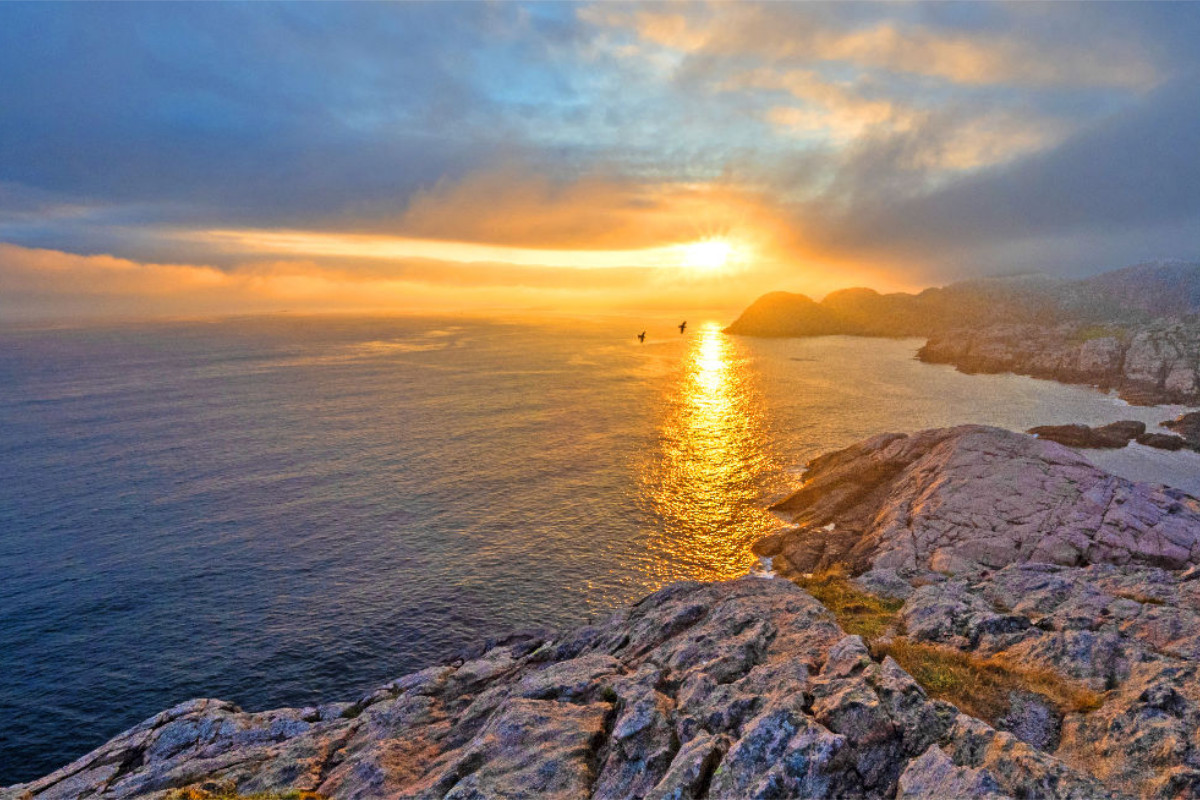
point(707, 254)
point(608, 155)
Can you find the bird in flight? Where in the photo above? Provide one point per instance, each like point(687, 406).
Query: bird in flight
point(641, 337)
point(682, 325)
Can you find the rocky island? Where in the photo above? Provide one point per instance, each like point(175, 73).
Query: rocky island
point(1136, 330)
point(960, 612)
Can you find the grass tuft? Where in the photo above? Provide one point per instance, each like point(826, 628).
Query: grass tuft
point(1138, 597)
point(983, 687)
point(856, 611)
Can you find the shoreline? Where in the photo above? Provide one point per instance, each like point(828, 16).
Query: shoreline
point(634, 704)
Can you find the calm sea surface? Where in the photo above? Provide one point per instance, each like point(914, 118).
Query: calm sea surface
point(277, 511)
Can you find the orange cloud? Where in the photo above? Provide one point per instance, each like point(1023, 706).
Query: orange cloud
point(47, 283)
point(510, 206)
point(769, 32)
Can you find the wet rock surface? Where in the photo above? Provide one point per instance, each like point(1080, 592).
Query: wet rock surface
point(973, 498)
point(1188, 428)
point(1162, 441)
point(738, 689)
point(1113, 435)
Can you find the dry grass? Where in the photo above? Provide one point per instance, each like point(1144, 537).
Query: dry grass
point(1144, 599)
point(982, 687)
point(230, 793)
point(856, 611)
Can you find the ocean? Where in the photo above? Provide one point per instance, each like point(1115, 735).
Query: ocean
point(284, 510)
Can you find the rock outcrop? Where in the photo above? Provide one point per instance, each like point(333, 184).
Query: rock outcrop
point(1162, 441)
point(975, 498)
point(731, 690)
point(1119, 434)
point(1131, 632)
point(1188, 428)
point(1017, 551)
point(1148, 364)
point(1111, 436)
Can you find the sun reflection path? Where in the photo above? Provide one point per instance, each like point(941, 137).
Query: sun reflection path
point(707, 484)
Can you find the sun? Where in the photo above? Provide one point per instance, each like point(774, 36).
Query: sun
point(708, 254)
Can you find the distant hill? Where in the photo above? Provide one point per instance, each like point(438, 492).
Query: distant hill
point(1139, 293)
point(1132, 295)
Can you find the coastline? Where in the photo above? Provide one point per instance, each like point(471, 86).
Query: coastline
point(817, 687)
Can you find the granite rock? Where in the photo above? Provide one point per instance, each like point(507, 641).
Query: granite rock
point(739, 689)
point(974, 498)
point(1149, 363)
point(1130, 632)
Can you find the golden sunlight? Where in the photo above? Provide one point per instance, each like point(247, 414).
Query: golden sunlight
point(709, 254)
point(713, 443)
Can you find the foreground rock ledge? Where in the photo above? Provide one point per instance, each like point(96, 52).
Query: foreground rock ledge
point(960, 500)
point(725, 690)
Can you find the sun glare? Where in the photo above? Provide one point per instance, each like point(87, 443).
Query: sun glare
point(708, 254)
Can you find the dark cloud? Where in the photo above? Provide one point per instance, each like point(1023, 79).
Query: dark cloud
point(261, 111)
point(1132, 177)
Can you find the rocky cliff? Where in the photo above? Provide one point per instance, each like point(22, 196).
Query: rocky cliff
point(1154, 363)
point(995, 559)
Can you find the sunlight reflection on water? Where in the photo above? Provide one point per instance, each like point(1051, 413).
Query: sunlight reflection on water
point(705, 480)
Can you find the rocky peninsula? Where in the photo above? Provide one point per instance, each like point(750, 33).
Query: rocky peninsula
point(961, 612)
point(1147, 364)
point(1136, 330)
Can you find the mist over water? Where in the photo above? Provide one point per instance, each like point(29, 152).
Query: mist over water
point(279, 511)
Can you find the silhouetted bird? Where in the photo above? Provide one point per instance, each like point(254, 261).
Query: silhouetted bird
point(682, 325)
point(642, 336)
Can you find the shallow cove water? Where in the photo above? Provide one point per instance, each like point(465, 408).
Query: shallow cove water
point(282, 510)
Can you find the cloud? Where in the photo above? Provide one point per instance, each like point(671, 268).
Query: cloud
point(1131, 175)
point(842, 143)
point(802, 34)
point(47, 283)
point(522, 207)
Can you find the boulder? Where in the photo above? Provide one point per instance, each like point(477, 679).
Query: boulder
point(1188, 426)
point(1126, 429)
point(1162, 441)
point(1077, 435)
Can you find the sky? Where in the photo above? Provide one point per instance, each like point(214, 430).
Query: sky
point(171, 158)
